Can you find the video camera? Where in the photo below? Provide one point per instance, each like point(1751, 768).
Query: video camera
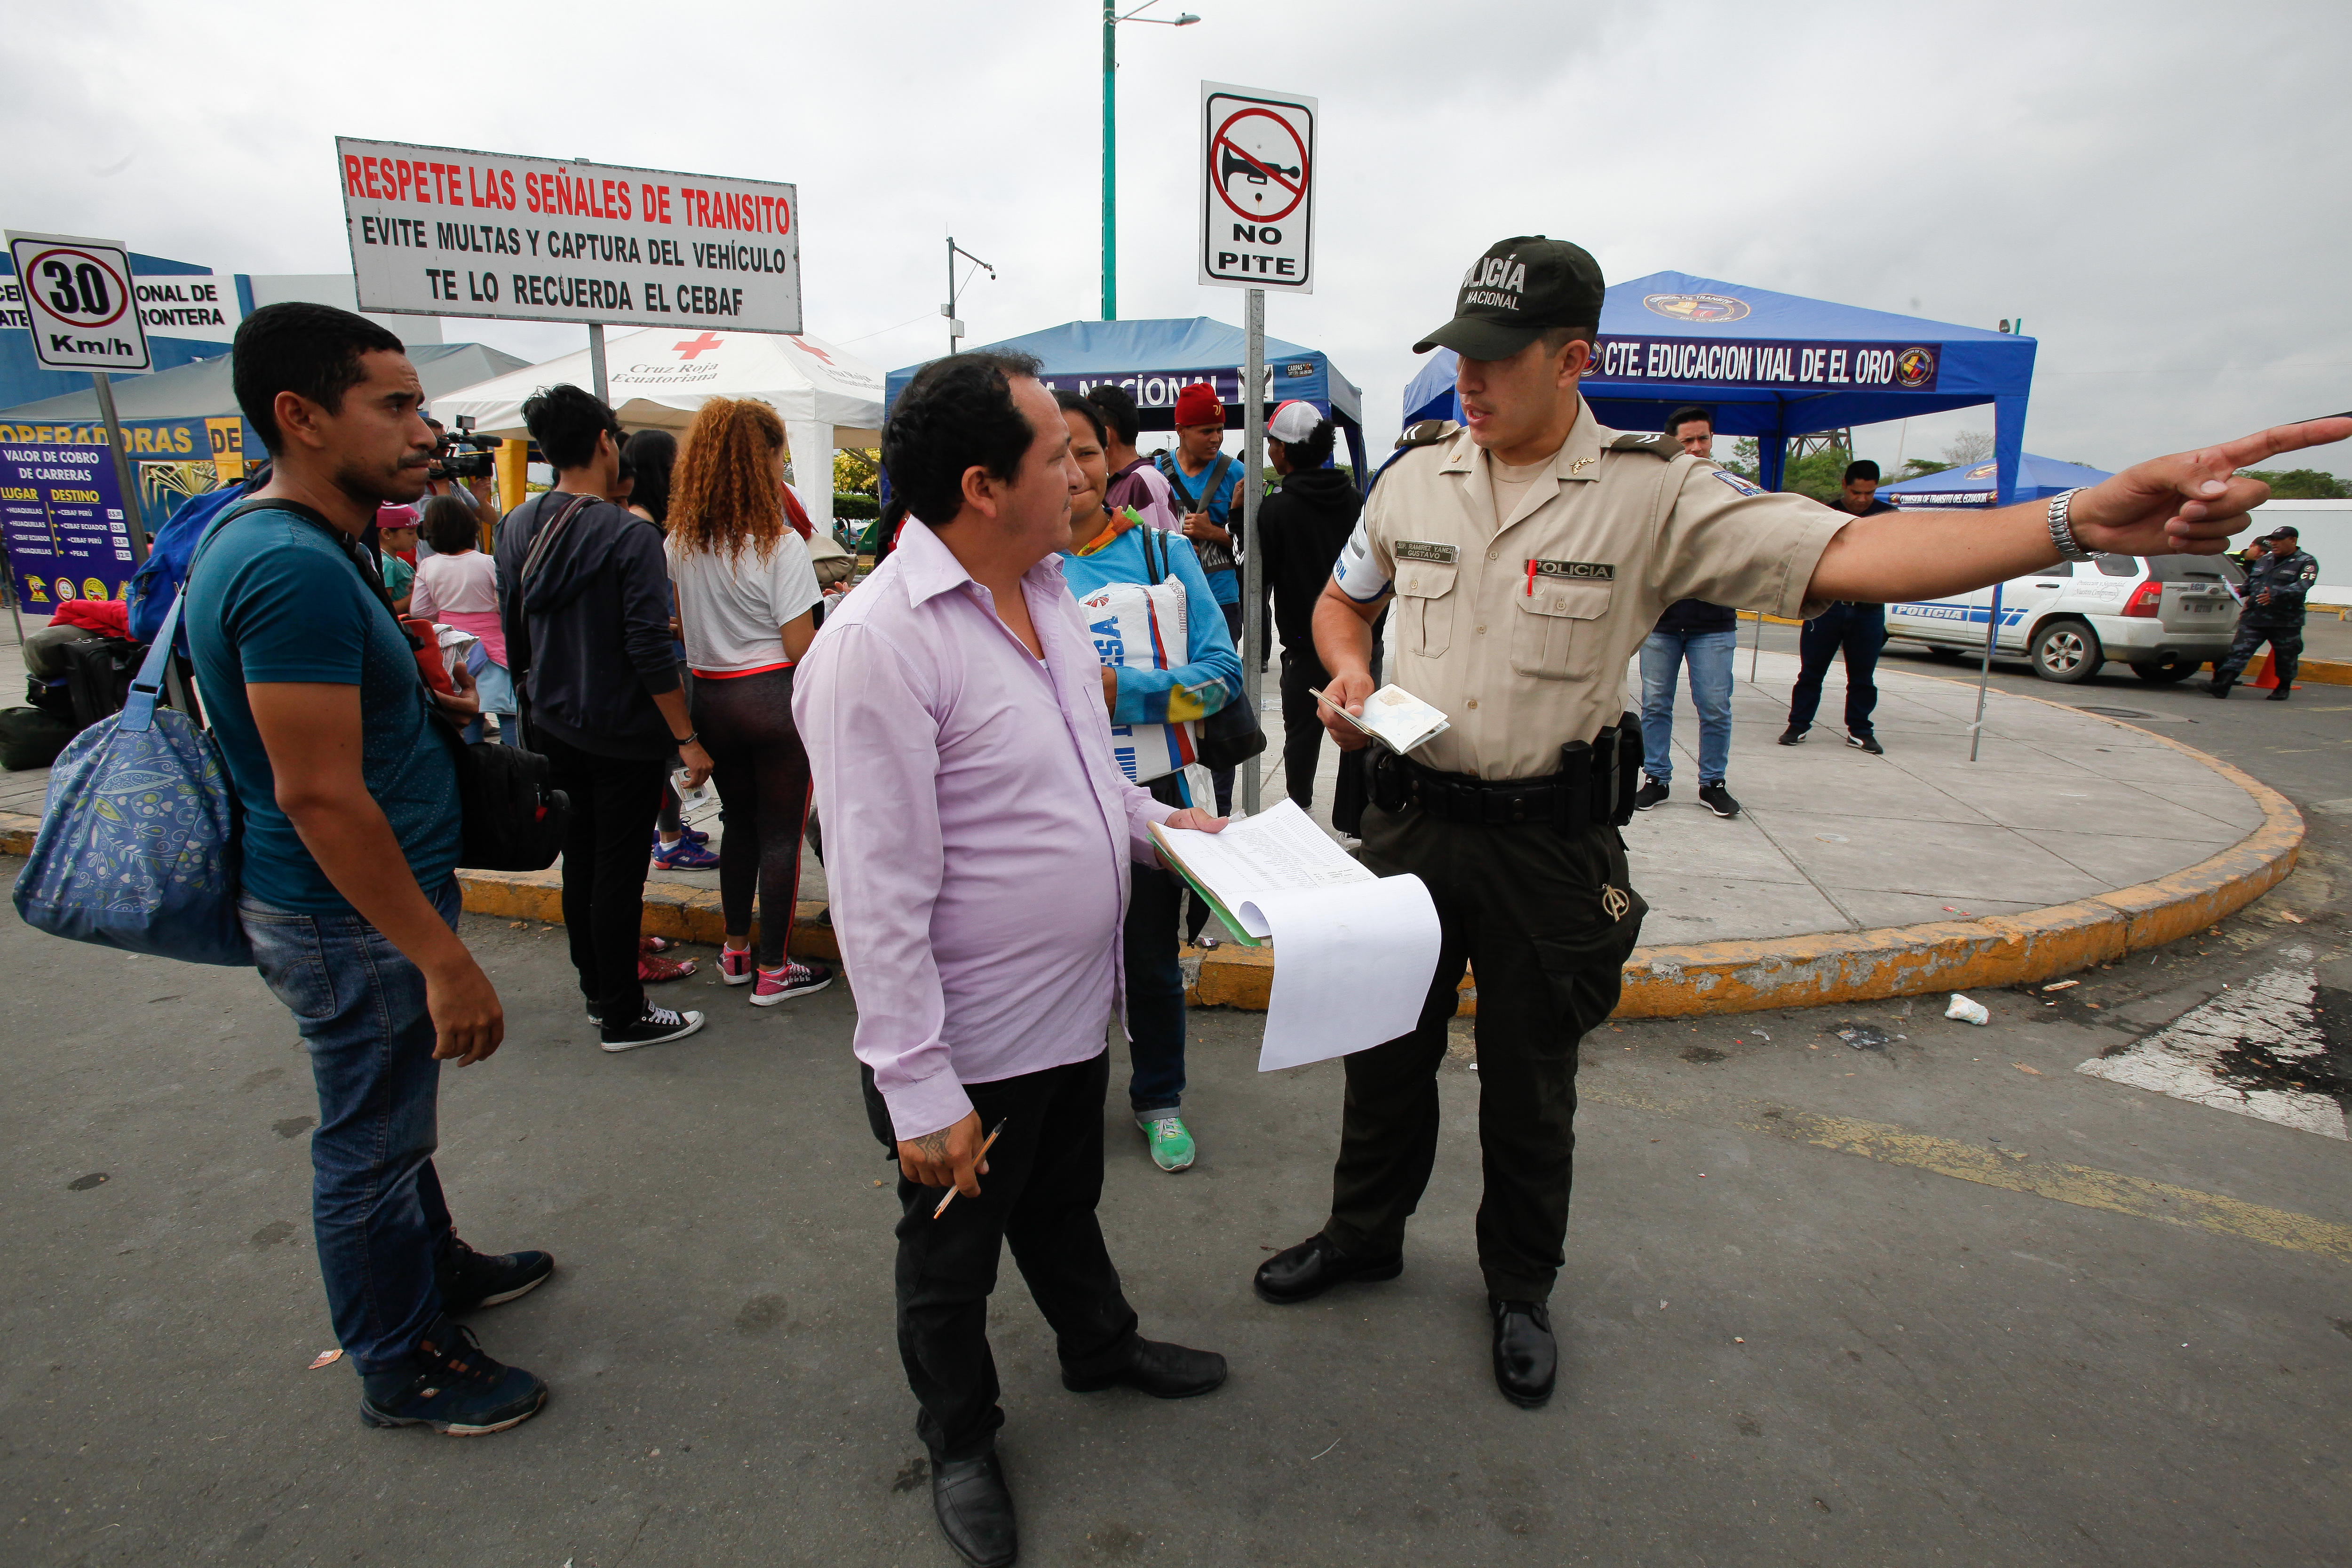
point(462, 455)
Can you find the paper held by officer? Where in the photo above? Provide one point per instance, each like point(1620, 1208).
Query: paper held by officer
point(1394, 717)
point(1354, 951)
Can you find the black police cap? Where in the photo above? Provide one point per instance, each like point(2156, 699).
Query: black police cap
point(1520, 288)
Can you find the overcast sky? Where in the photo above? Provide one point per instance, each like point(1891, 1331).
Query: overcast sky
point(2159, 190)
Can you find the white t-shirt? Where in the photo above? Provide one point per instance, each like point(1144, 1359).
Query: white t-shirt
point(731, 612)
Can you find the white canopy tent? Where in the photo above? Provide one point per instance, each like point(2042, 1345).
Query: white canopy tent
point(660, 377)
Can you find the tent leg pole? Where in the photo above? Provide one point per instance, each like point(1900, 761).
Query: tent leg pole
point(1252, 561)
point(1984, 672)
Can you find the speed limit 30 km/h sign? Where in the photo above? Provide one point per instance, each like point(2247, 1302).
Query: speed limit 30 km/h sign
point(78, 299)
point(1257, 188)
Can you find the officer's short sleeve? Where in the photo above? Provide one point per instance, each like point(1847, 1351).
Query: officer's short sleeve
point(1727, 541)
point(1365, 567)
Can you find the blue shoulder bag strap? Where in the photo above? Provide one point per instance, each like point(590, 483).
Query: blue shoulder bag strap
point(139, 708)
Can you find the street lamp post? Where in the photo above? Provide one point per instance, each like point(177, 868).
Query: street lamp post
point(955, 323)
point(1111, 19)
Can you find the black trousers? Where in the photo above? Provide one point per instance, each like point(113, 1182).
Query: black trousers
point(2286, 653)
point(1044, 1178)
point(1858, 631)
point(614, 803)
point(762, 774)
point(1547, 920)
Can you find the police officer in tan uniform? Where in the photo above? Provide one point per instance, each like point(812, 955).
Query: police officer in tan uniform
point(1526, 555)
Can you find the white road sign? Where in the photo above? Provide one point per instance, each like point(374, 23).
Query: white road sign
point(1257, 188)
point(439, 231)
point(79, 302)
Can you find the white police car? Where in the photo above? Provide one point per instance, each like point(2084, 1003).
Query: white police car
point(2164, 617)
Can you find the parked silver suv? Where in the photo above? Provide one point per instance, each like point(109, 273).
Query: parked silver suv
point(2164, 617)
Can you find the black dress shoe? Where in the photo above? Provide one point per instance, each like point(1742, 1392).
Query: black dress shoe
point(2217, 687)
point(1303, 1272)
point(1161, 1371)
point(1526, 1358)
point(975, 1509)
point(2284, 693)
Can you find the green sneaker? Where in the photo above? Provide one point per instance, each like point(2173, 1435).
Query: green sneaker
point(1170, 1144)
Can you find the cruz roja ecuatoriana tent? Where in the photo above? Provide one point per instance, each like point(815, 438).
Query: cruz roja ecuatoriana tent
point(1156, 360)
point(1775, 366)
point(660, 377)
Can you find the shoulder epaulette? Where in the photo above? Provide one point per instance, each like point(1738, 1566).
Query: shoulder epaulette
point(1655, 445)
point(1427, 432)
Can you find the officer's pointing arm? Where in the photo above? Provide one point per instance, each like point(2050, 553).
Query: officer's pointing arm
point(2185, 504)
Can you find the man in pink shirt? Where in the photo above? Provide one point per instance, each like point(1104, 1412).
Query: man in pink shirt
point(977, 837)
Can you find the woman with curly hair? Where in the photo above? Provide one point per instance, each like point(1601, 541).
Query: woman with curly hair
point(746, 598)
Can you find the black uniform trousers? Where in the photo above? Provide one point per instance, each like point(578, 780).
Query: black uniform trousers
point(2287, 652)
point(1530, 908)
point(1045, 1177)
point(1858, 631)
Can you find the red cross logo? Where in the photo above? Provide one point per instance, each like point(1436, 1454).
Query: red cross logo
point(808, 347)
point(694, 346)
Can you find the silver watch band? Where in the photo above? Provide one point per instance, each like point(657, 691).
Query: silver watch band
point(2062, 533)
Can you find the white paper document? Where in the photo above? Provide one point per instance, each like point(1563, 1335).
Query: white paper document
point(1353, 953)
point(1395, 718)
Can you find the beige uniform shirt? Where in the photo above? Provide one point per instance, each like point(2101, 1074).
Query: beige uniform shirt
point(1520, 634)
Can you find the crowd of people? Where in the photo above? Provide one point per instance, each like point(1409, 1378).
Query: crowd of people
point(990, 724)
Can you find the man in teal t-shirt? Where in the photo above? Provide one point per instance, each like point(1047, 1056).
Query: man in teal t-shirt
point(351, 831)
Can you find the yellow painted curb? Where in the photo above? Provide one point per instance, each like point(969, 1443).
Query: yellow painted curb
point(1673, 981)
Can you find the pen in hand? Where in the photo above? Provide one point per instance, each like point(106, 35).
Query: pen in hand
point(976, 1160)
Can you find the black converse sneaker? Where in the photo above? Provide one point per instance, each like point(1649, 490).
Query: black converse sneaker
point(658, 1025)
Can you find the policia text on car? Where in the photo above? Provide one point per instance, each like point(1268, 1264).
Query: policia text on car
point(1527, 554)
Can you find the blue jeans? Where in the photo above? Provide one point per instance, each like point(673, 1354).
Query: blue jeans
point(376, 1207)
point(1709, 654)
point(1155, 992)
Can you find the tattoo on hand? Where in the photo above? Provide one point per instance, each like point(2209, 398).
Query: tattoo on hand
point(933, 1146)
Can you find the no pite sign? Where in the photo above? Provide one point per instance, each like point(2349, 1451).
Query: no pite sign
point(1257, 188)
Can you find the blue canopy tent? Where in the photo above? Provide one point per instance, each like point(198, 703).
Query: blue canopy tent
point(1156, 360)
point(2038, 478)
point(1776, 365)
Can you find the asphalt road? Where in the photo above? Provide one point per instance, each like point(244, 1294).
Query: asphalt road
point(1938, 1299)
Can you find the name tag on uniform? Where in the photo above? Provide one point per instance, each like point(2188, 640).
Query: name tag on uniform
point(1599, 570)
point(1422, 549)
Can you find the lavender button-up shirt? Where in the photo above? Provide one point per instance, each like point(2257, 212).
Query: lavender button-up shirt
point(977, 832)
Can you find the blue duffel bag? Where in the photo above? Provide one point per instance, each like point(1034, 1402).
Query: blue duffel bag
point(138, 842)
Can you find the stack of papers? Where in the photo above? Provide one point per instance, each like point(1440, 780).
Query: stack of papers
point(1354, 951)
point(1395, 718)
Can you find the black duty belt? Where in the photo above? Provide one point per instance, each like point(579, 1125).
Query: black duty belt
point(1594, 787)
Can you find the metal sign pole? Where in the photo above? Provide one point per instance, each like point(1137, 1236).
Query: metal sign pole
point(1756, 648)
point(1984, 672)
point(597, 359)
point(123, 475)
point(1253, 568)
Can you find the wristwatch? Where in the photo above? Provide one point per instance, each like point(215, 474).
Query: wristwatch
point(2061, 534)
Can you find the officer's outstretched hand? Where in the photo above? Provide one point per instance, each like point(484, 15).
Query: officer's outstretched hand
point(1348, 691)
point(2188, 503)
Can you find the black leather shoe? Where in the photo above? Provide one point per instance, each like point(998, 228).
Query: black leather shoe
point(1161, 1371)
point(1303, 1272)
point(1526, 1358)
point(975, 1509)
point(2284, 693)
point(2217, 687)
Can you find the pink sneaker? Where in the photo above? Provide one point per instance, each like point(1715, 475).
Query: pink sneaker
point(794, 979)
point(735, 965)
